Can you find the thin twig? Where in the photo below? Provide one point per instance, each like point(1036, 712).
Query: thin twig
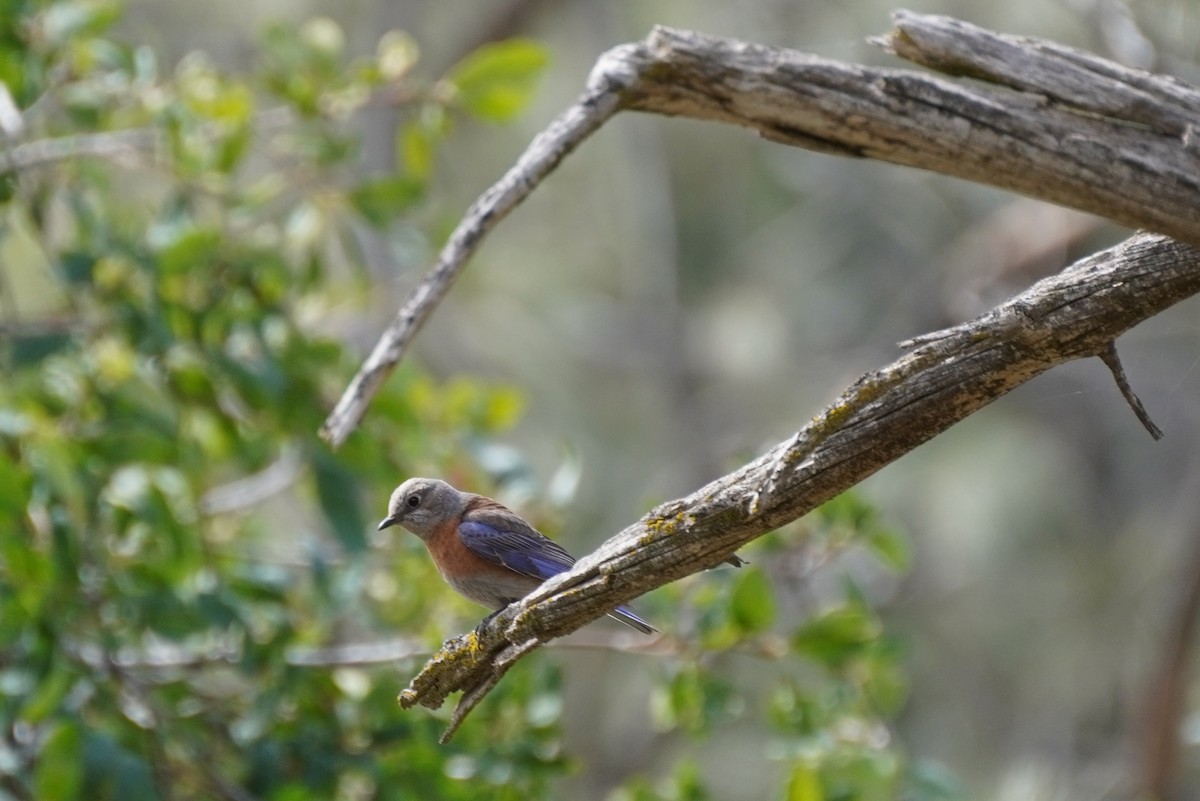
point(252, 490)
point(1110, 358)
point(364, 653)
point(549, 148)
point(109, 144)
point(471, 698)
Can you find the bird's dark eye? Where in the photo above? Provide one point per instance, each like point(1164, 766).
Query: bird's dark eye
point(413, 501)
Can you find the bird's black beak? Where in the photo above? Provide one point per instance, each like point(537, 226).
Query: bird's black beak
point(386, 522)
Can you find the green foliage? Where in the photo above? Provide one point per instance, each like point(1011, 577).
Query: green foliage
point(838, 636)
point(752, 604)
point(828, 680)
point(685, 784)
point(173, 537)
point(495, 81)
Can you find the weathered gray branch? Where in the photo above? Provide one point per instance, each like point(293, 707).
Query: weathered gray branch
point(885, 414)
point(1063, 75)
point(1128, 156)
point(1066, 148)
point(131, 143)
point(539, 160)
point(1043, 120)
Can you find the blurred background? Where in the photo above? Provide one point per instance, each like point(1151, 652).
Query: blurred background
point(675, 299)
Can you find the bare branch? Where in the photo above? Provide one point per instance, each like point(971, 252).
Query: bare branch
point(888, 412)
point(109, 144)
point(1132, 160)
point(988, 134)
point(1129, 156)
point(550, 147)
point(243, 493)
point(1063, 74)
point(366, 653)
point(1113, 362)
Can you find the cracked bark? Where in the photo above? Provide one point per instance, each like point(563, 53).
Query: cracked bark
point(1034, 117)
point(947, 376)
point(1134, 159)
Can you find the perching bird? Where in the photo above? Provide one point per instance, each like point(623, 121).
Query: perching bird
point(482, 549)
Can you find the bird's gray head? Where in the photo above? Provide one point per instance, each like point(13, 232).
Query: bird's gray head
point(422, 504)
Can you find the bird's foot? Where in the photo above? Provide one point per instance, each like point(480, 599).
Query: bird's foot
point(488, 619)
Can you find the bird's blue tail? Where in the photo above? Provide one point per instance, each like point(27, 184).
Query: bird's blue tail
point(626, 616)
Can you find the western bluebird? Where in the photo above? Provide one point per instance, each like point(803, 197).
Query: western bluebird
point(482, 549)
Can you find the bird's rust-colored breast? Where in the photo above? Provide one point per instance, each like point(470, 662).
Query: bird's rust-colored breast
point(455, 560)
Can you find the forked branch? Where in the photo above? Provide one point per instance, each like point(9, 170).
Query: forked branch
point(1038, 119)
point(885, 414)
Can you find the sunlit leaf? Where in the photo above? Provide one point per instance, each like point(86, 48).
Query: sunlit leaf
point(63, 21)
point(804, 783)
point(323, 35)
point(504, 406)
point(396, 54)
point(496, 81)
point(14, 487)
point(415, 149)
point(188, 248)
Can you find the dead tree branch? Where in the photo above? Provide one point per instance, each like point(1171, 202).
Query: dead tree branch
point(540, 159)
point(1040, 119)
point(888, 412)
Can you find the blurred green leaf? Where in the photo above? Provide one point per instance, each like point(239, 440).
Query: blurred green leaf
point(860, 772)
point(33, 348)
point(415, 147)
point(49, 692)
point(114, 772)
point(59, 774)
point(8, 187)
point(838, 636)
point(77, 266)
point(496, 81)
point(885, 679)
point(28, 572)
point(382, 201)
point(694, 700)
point(63, 21)
point(849, 510)
point(891, 547)
point(14, 486)
point(340, 500)
point(804, 783)
point(752, 604)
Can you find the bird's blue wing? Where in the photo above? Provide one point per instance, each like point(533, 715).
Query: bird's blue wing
point(518, 547)
point(499, 536)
